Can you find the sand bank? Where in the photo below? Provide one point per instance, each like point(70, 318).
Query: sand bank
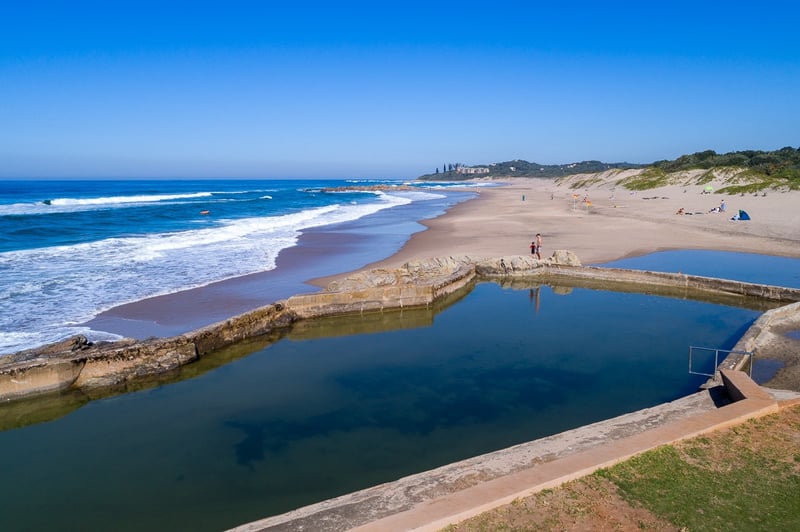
point(615, 223)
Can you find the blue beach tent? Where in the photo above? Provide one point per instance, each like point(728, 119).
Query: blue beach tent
point(743, 215)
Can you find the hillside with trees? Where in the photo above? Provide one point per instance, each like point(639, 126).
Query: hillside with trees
point(520, 168)
point(783, 163)
point(748, 170)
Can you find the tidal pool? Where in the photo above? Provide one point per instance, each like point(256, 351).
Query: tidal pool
point(749, 267)
point(339, 405)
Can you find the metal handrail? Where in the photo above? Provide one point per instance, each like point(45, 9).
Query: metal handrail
point(717, 352)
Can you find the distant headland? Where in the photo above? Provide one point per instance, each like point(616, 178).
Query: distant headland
point(760, 169)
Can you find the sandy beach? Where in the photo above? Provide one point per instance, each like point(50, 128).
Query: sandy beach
point(615, 223)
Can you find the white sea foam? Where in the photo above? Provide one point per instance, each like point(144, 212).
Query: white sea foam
point(144, 198)
point(418, 195)
point(45, 291)
point(59, 205)
point(234, 192)
point(452, 184)
point(17, 209)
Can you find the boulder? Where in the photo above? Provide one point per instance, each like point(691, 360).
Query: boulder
point(564, 258)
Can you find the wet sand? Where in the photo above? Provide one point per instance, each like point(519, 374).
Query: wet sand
point(328, 250)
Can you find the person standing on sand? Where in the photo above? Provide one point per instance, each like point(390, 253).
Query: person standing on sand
point(538, 245)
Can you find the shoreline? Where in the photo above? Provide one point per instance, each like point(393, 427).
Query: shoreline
point(336, 249)
point(496, 222)
point(499, 222)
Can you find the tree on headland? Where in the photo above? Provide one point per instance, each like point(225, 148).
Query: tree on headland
point(784, 162)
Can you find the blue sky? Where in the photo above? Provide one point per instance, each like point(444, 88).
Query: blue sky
point(386, 89)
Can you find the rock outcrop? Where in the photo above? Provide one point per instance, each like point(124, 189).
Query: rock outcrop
point(417, 283)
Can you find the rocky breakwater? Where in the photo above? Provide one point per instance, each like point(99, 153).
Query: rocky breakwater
point(79, 364)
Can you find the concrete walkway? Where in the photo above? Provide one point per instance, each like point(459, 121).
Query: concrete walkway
point(452, 493)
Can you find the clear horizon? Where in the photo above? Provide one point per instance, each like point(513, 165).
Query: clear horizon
point(363, 90)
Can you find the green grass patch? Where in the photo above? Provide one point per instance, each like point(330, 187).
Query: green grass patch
point(750, 492)
point(650, 178)
point(749, 188)
point(586, 183)
point(706, 177)
point(752, 181)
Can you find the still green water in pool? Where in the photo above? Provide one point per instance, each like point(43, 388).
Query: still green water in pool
point(311, 417)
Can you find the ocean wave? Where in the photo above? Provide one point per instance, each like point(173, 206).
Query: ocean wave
point(67, 205)
point(11, 342)
point(73, 283)
point(417, 195)
point(451, 184)
point(235, 192)
point(111, 200)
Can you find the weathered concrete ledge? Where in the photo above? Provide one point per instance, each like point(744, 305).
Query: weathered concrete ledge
point(435, 514)
point(741, 387)
point(416, 285)
point(679, 280)
point(758, 335)
point(78, 364)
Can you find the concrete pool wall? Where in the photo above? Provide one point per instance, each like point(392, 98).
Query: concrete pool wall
point(78, 364)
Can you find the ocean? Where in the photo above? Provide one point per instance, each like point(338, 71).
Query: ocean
point(72, 249)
